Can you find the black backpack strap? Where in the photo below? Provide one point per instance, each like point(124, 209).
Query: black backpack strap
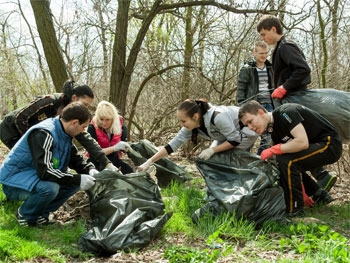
point(213, 117)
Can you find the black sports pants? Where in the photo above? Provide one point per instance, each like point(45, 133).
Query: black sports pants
point(292, 167)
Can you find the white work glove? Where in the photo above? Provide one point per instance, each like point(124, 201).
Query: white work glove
point(145, 165)
point(86, 181)
point(214, 144)
point(206, 154)
point(111, 167)
point(121, 146)
point(93, 171)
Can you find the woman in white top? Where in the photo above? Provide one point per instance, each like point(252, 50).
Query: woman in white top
point(200, 118)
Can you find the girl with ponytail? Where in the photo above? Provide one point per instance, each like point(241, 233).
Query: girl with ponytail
point(200, 118)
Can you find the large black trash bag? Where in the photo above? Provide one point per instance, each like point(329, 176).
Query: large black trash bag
point(167, 170)
point(240, 183)
point(126, 211)
point(332, 104)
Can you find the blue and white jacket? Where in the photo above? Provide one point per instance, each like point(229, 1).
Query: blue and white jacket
point(19, 169)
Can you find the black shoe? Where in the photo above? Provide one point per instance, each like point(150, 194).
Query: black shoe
point(296, 213)
point(40, 221)
point(322, 197)
point(22, 222)
point(44, 221)
point(326, 180)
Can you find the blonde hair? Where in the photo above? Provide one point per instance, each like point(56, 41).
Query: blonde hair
point(261, 44)
point(107, 110)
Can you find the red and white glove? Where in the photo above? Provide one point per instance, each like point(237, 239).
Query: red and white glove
point(269, 152)
point(308, 202)
point(279, 93)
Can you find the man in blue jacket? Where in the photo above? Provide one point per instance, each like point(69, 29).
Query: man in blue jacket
point(36, 169)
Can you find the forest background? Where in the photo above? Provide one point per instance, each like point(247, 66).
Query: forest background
point(148, 56)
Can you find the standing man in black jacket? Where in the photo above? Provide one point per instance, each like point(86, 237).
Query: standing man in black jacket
point(291, 71)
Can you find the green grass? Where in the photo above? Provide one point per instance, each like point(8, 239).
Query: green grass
point(210, 240)
point(53, 243)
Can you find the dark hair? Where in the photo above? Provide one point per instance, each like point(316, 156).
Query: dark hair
point(76, 110)
point(251, 107)
point(267, 22)
point(69, 89)
point(190, 107)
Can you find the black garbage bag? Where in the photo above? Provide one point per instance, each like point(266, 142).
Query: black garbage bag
point(332, 104)
point(240, 183)
point(126, 211)
point(167, 170)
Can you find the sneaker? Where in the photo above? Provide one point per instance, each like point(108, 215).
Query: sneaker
point(40, 221)
point(43, 221)
point(21, 220)
point(322, 197)
point(326, 180)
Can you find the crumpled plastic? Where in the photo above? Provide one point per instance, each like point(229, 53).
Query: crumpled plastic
point(241, 183)
point(167, 170)
point(127, 212)
point(332, 104)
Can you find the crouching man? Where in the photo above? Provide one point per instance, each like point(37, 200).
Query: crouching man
point(303, 140)
point(36, 169)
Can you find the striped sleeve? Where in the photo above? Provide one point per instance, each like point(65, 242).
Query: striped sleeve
point(41, 145)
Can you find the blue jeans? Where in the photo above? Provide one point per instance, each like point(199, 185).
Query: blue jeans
point(46, 197)
point(265, 138)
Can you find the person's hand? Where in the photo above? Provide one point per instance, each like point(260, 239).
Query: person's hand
point(121, 146)
point(86, 181)
point(206, 154)
point(93, 171)
point(145, 165)
point(279, 93)
point(308, 202)
point(111, 167)
point(269, 152)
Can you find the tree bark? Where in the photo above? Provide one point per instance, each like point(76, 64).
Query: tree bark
point(185, 91)
point(50, 44)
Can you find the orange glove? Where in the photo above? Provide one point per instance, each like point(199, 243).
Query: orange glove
point(279, 93)
point(269, 152)
point(308, 202)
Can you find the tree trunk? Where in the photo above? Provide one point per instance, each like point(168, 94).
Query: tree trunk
point(185, 90)
point(121, 72)
point(323, 44)
point(334, 47)
point(49, 41)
